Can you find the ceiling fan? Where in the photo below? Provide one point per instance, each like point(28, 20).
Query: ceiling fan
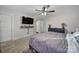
point(45, 10)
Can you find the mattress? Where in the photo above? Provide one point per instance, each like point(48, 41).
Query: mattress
point(50, 42)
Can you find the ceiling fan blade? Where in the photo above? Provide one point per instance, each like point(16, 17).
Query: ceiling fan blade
point(39, 14)
point(51, 11)
point(38, 10)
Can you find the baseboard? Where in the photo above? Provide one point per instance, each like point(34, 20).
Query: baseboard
point(16, 38)
point(5, 40)
point(22, 37)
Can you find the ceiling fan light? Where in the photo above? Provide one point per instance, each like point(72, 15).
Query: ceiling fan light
point(45, 13)
point(42, 13)
point(46, 9)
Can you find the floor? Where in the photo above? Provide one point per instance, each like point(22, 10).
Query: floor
point(16, 46)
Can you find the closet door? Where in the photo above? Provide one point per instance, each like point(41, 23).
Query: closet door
point(5, 27)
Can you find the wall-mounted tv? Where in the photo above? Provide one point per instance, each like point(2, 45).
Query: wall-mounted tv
point(27, 20)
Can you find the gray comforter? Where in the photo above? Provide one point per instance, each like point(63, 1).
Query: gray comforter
point(50, 42)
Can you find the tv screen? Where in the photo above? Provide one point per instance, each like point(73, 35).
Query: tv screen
point(27, 20)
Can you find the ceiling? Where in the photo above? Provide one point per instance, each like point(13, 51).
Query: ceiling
point(30, 9)
point(26, 9)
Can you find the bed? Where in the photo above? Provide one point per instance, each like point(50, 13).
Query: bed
point(50, 42)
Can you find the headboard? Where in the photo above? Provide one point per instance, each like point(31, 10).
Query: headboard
point(59, 30)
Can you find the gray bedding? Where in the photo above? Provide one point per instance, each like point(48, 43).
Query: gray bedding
point(50, 42)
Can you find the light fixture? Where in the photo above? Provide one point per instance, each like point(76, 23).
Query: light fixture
point(42, 13)
point(44, 10)
point(45, 13)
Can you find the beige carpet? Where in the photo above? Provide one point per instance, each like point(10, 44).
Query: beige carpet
point(16, 46)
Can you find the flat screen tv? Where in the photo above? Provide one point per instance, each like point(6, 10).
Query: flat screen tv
point(27, 20)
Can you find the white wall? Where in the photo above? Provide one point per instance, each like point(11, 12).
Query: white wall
point(10, 23)
point(11, 29)
point(5, 26)
point(66, 14)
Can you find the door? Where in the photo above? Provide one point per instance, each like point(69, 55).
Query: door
point(38, 26)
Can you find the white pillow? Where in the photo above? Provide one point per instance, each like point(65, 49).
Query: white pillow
point(76, 36)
